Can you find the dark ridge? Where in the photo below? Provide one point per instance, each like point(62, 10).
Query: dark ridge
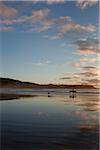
point(11, 83)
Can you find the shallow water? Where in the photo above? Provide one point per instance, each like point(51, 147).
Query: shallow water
point(53, 92)
point(50, 123)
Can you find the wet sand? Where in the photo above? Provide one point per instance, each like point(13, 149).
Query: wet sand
point(6, 96)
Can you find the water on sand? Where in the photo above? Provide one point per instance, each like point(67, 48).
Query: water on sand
point(50, 123)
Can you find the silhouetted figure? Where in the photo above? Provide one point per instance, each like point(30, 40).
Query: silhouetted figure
point(73, 93)
point(49, 94)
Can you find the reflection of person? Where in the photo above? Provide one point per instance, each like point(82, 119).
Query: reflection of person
point(72, 96)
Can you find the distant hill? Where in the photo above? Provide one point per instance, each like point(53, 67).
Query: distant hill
point(11, 83)
point(6, 82)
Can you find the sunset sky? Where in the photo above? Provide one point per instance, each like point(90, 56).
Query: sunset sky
point(51, 41)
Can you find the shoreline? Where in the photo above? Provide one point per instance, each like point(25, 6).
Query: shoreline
point(6, 96)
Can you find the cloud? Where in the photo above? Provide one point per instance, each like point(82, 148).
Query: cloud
point(64, 24)
point(6, 29)
point(50, 2)
point(8, 12)
point(48, 23)
point(91, 60)
point(55, 1)
point(42, 23)
point(90, 68)
point(82, 4)
point(76, 64)
point(85, 28)
point(19, 20)
point(53, 37)
point(42, 62)
point(72, 26)
point(56, 37)
point(71, 77)
point(94, 81)
point(45, 25)
point(88, 74)
point(65, 78)
point(89, 46)
point(39, 15)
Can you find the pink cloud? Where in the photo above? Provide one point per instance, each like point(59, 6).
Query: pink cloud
point(50, 2)
point(7, 11)
point(55, 1)
point(76, 64)
point(39, 15)
point(87, 47)
point(82, 4)
point(76, 27)
point(6, 29)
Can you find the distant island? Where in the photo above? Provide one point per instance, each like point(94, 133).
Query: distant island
point(11, 83)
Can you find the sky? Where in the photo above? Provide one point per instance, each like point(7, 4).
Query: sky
point(51, 41)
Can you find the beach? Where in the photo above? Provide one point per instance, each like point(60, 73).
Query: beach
point(58, 121)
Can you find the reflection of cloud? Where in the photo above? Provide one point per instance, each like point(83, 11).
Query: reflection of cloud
point(6, 11)
point(82, 115)
point(95, 117)
point(40, 113)
point(85, 116)
point(85, 3)
point(89, 127)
